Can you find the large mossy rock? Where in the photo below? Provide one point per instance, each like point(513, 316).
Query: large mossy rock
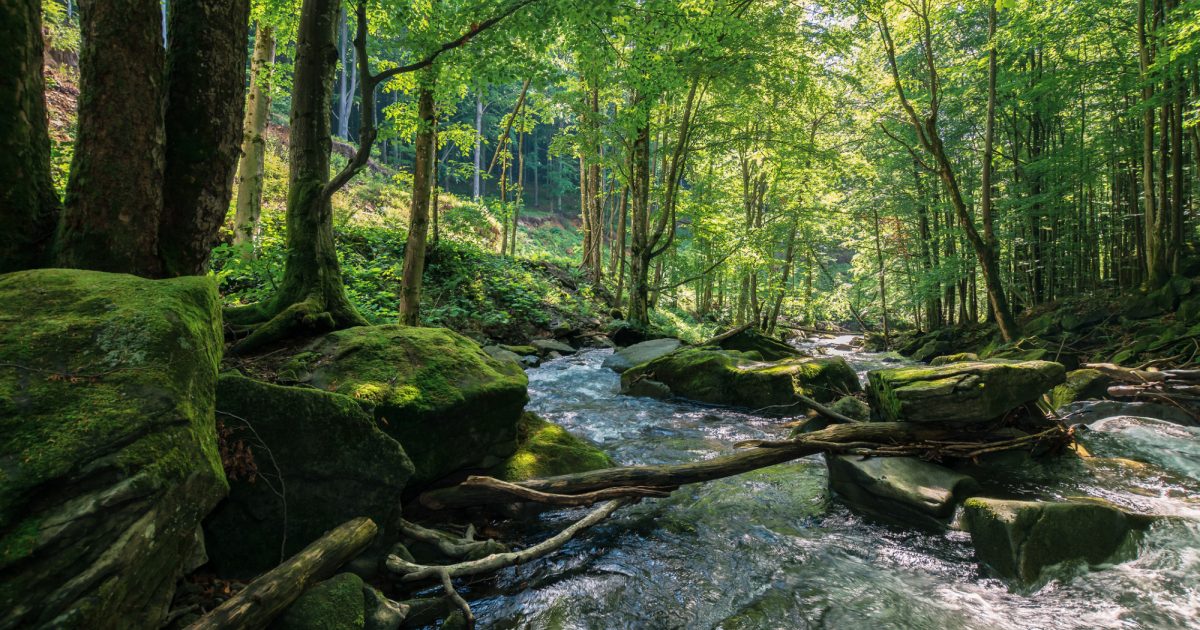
point(1085, 384)
point(729, 378)
point(546, 450)
point(108, 456)
point(1018, 539)
point(449, 404)
point(768, 348)
point(640, 353)
point(321, 451)
point(335, 604)
point(978, 391)
point(899, 489)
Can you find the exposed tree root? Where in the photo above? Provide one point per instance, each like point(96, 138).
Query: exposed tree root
point(268, 325)
point(449, 545)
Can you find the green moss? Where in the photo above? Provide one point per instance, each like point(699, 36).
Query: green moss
point(436, 392)
point(1080, 385)
point(547, 450)
point(960, 392)
point(335, 604)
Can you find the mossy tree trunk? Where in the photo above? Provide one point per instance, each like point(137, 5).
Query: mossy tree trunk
point(418, 222)
point(111, 216)
point(206, 74)
point(29, 205)
point(312, 297)
point(258, 109)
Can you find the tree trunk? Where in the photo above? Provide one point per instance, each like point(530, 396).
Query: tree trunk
point(887, 330)
point(477, 179)
point(254, 144)
point(640, 249)
point(414, 251)
point(1156, 258)
point(114, 197)
point(29, 205)
point(206, 76)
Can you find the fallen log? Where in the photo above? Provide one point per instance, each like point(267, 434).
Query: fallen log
point(727, 334)
point(1128, 375)
point(862, 438)
point(272, 592)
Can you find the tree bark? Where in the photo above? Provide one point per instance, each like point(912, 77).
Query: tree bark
point(254, 144)
point(206, 76)
point(29, 205)
point(418, 222)
point(255, 606)
point(640, 248)
point(477, 179)
point(114, 196)
point(1156, 258)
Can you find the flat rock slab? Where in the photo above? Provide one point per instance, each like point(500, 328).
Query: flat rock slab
point(546, 346)
point(971, 392)
point(640, 353)
point(1018, 539)
point(899, 489)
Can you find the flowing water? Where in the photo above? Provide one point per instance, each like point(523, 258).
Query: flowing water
point(771, 549)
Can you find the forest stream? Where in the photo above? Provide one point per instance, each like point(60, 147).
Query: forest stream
point(771, 549)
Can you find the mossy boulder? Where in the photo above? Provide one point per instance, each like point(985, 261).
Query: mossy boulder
point(545, 346)
point(640, 353)
point(978, 391)
point(1018, 539)
point(1150, 304)
point(899, 489)
point(546, 450)
point(932, 349)
point(730, 378)
point(107, 441)
point(449, 404)
point(768, 348)
point(321, 451)
point(335, 604)
point(960, 357)
point(1085, 384)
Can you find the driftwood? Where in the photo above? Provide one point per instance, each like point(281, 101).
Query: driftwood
point(863, 438)
point(269, 594)
point(1127, 375)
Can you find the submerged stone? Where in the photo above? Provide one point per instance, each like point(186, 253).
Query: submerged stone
point(107, 441)
point(899, 489)
point(335, 604)
point(320, 450)
point(1018, 539)
point(640, 353)
point(449, 404)
point(730, 378)
point(546, 449)
point(972, 392)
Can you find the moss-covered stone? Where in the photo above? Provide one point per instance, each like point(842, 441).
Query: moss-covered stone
point(730, 378)
point(978, 391)
point(335, 604)
point(107, 442)
point(321, 451)
point(1085, 384)
point(959, 357)
point(449, 404)
point(751, 340)
point(899, 489)
point(546, 450)
point(1018, 539)
point(640, 353)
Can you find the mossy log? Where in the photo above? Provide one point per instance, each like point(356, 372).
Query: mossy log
point(961, 393)
point(266, 597)
point(867, 438)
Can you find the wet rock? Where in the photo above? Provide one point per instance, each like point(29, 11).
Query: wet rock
point(521, 350)
point(335, 604)
point(1018, 539)
point(1088, 411)
point(322, 449)
point(546, 449)
point(751, 340)
point(899, 489)
point(730, 378)
point(381, 613)
point(448, 403)
point(962, 393)
point(1085, 384)
point(546, 346)
point(960, 357)
point(640, 353)
point(625, 334)
point(109, 447)
point(501, 354)
point(531, 360)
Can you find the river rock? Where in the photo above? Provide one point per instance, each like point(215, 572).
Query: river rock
point(109, 449)
point(1085, 384)
point(979, 391)
point(1017, 539)
point(640, 353)
point(335, 604)
point(322, 449)
point(751, 340)
point(961, 357)
point(501, 354)
point(381, 613)
point(546, 449)
point(545, 347)
point(899, 489)
point(730, 378)
point(449, 404)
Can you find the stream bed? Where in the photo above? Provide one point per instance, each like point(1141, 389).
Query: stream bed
point(772, 549)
